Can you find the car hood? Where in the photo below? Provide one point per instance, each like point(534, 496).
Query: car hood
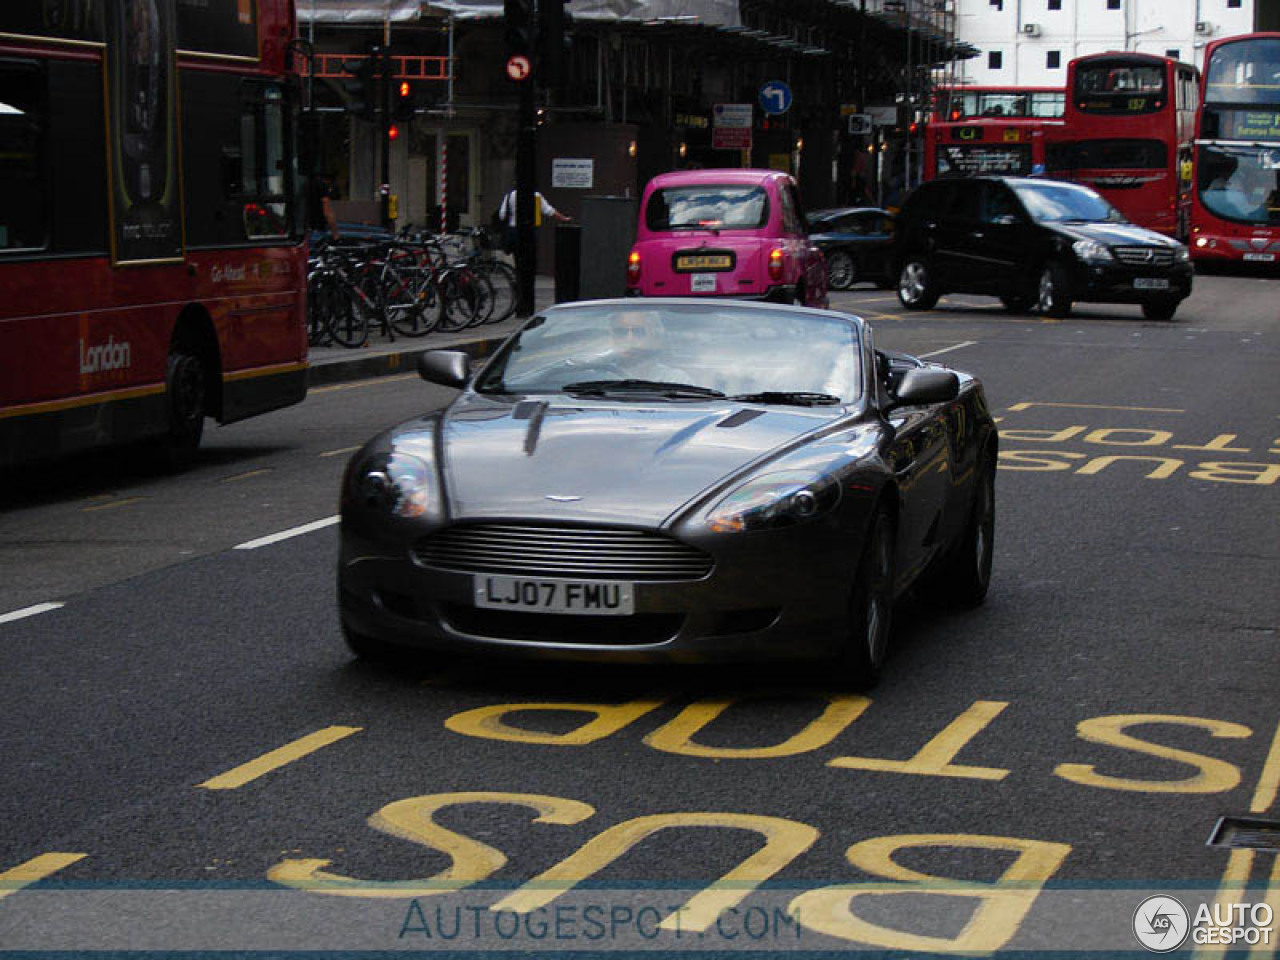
point(1115, 234)
point(561, 459)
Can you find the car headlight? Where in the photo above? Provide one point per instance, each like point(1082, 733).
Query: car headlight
point(1182, 253)
point(395, 483)
point(775, 500)
point(1091, 250)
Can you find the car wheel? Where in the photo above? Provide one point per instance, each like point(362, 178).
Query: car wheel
point(1016, 304)
point(916, 290)
point(1162, 309)
point(871, 605)
point(963, 577)
point(1054, 291)
point(842, 272)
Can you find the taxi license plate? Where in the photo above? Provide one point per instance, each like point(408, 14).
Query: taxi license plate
point(703, 283)
point(704, 261)
point(1151, 283)
point(610, 598)
point(1264, 257)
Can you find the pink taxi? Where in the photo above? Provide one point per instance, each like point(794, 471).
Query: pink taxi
point(725, 233)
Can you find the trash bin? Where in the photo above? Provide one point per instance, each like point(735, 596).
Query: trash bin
point(568, 261)
point(608, 230)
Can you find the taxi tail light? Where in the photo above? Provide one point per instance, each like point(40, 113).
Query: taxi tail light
point(775, 263)
point(633, 268)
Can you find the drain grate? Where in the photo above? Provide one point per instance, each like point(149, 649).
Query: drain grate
point(1251, 833)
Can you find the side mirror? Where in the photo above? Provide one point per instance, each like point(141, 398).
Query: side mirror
point(925, 385)
point(449, 368)
point(1007, 220)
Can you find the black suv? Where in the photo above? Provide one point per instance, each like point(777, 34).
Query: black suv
point(1036, 244)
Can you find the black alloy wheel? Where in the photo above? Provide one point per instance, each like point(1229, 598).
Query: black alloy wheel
point(842, 271)
point(871, 605)
point(963, 576)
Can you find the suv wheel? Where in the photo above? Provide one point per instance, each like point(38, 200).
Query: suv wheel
point(1017, 303)
point(1054, 291)
point(916, 290)
point(1162, 309)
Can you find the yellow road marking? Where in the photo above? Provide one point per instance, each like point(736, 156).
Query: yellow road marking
point(277, 758)
point(1027, 405)
point(111, 505)
point(246, 476)
point(934, 758)
point(1269, 782)
point(340, 451)
point(1231, 890)
point(34, 870)
point(372, 381)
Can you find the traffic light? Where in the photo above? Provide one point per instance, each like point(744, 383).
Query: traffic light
point(553, 43)
point(519, 31)
point(363, 89)
point(404, 101)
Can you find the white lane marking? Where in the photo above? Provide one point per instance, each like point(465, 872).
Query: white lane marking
point(29, 612)
point(938, 353)
point(286, 534)
point(341, 450)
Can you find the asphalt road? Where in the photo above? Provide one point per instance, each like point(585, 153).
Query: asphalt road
point(1082, 732)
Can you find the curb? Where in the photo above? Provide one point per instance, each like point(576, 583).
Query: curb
point(344, 370)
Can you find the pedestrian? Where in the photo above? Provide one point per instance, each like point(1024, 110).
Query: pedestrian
point(320, 215)
point(507, 216)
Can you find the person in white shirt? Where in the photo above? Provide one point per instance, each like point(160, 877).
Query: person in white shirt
point(507, 214)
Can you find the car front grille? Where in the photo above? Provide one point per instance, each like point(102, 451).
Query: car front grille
point(1144, 256)
point(589, 553)
point(641, 629)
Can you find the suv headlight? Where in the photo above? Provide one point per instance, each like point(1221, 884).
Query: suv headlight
point(775, 500)
point(395, 483)
point(1091, 250)
point(1182, 253)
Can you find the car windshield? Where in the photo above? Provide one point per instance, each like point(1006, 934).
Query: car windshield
point(711, 206)
point(1059, 202)
point(682, 352)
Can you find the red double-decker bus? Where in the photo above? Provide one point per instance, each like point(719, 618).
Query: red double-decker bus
point(1130, 124)
point(152, 263)
point(1235, 214)
point(1000, 131)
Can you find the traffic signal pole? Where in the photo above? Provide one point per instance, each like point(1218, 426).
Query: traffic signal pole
point(385, 69)
point(526, 187)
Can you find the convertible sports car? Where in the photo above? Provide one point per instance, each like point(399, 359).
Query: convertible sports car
point(671, 480)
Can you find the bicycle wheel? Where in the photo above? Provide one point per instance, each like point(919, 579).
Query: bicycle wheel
point(483, 296)
point(422, 314)
point(460, 300)
point(502, 278)
point(319, 299)
point(349, 319)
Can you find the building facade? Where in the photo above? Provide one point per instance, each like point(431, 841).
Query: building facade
point(1030, 42)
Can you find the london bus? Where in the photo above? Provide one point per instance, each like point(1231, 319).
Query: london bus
point(1235, 213)
point(152, 267)
point(1001, 131)
point(1130, 125)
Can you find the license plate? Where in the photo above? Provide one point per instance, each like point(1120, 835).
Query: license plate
point(610, 598)
point(1264, 257)
point(703, 283)
point(1151, 283)
point(704, 261)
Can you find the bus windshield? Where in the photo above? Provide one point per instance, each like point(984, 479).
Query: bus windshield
point(1240, 183)
point(1244, 72)
point(1118, 87)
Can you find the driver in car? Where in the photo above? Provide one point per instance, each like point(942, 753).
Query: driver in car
point(640, 348)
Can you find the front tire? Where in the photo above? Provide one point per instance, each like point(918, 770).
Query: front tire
point(916, 289)
point(1161, 310)
point(964, 576)
point(1054, 291)
point(842, 271)
point(1016, 304)
point(871, 605)
point(184, 402)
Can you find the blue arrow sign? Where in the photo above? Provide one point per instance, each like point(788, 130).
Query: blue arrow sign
point(775, 97)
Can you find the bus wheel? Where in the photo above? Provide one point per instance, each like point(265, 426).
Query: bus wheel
point(184, 400)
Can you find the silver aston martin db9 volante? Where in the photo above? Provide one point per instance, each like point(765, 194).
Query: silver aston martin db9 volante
point(671, 480)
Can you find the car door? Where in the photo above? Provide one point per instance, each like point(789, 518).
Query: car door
point(958, 264)
point(1001, 237)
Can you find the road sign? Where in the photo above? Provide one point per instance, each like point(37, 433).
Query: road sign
point(775, 97)
point(860, 123)
point(518, 67)
point(732, 115)
point(730, 138)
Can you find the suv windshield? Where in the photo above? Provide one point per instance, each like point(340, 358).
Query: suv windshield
point(1050, 202)
point(709, 206)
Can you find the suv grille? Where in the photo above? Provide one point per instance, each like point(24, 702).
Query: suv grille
point(1144, 256)
point(535, 551)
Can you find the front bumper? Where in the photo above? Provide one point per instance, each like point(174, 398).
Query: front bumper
point(771, 595)
point(1115, 283)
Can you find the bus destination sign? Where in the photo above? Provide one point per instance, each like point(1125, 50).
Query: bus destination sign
point(1251, 124)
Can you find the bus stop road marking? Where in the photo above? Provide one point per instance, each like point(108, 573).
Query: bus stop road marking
point(1027, 405)
point(277, 758)
point(112, 504)
point(35, 870)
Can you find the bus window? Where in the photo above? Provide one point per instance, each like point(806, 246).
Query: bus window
point(23, 120)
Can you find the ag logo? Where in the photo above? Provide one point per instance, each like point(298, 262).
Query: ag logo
point(1160, 923)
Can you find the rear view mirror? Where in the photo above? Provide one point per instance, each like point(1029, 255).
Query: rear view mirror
point(925, 385)
point(449, 368)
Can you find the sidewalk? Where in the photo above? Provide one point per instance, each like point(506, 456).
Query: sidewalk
point(381, 358)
